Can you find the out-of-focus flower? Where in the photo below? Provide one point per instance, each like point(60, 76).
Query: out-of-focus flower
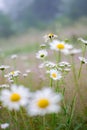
point(44, 101)
point(13, 74)
point(4, 67)
point(43, 46)
point(4, 126)
point(64, 64)
point(41, 54)
point(14, 56)
point(48, 65)
point(15, 97)
point(4, 86)
point(28, 71)
point(82, 40)
point(60, 46)
point(50, 36)
point(55, 74)
point(83, 60)
point(25, 75)
point(72, 51)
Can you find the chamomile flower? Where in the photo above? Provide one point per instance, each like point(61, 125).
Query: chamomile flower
point(44, 101)
point(50, 36)
point(4, 67)
point(4, 86)
point(59, 46)
point(50, 64)
point(4, 126)
point(13, 74)
point(15, 97)
point(14, 56)
point(55, 74)
point(72, 51)
point(41, 54)
point(83, 60)
point(82, 40)
point(43, 46)
point(64, 64)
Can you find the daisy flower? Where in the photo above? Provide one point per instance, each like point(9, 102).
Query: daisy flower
point(50, 36)
point(55, 74)
point(4, 126)
point(83, 60)
point(82, 40)
point(44, 101)
point(41, 54)
point(43, 46)
point(4, 86)
point(13, 74)
point(14, 56)
point(64, 64)
point(4, 67)
point(72, 51)
point(59, 46)
point(47, 64)
point(15, 97)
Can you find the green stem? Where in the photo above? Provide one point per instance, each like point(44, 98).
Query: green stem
point(16, 120)
point(76, 81)
point(59, 56)
point(83, 55)
point(51, 82)
point(23, 119)
point(72, 112)
point(44, 123)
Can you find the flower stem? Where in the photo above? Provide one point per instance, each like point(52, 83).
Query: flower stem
point(84, 50)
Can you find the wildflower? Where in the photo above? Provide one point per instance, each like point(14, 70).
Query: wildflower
point(64, 64)
point(72, 51)
point(15, 97)
point(50, 36)
point(4, 86)
point(82, 40)
point(3, 67)
point(59, 46)
point(83, 60)
point(55, 74)
point(13, 74)
point(44, 101)
point(4, 126)
point(48, 65)
point(41, 54)
point(14, 56)
point(43, 46)
point(28, 71)
point(25, 75)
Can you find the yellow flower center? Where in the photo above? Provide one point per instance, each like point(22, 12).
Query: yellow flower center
point(50, 35)
point(12, 72)
point(15, 97)
point(43, 103)
point(54, 75)
point(60, 46)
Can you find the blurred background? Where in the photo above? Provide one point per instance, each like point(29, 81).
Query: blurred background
point(23, 22)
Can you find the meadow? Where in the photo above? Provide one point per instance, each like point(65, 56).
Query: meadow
point(43, 82)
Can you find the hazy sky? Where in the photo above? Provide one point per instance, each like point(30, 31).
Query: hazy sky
point(2, 5)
